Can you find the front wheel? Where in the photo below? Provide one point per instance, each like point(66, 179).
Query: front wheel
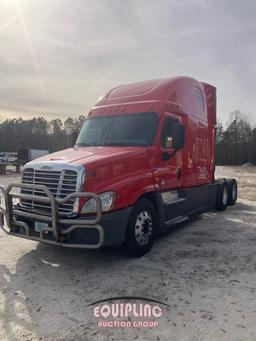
point(141, 228)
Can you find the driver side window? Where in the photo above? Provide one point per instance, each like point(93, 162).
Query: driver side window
point(166, 134)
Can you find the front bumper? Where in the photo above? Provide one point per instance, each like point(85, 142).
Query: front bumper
point(81, 232)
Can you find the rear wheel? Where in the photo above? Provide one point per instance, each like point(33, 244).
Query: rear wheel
point(141, 228)
point(232, 191)
point(222, 196)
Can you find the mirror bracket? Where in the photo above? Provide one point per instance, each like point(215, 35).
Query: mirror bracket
point(166, 156)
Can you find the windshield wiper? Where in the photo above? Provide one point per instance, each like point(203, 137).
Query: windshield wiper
point(88, 144)
point(116, 144)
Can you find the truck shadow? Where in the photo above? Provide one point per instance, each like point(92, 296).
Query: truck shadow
point(48, 292)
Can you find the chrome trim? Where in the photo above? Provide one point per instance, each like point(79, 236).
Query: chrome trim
point(3, 211)
point(170, 197)
point(12, 213)
point(55, 166)
point(59, 166)
point(48, 197)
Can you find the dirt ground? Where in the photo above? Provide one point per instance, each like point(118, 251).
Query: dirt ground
point(204, 270)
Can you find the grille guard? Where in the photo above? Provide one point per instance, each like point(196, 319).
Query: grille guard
point(12, 212)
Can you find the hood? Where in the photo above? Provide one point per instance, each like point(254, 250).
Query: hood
point(86, 155)
point(119, 169)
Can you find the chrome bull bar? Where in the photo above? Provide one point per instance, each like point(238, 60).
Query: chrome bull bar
point(12, 213)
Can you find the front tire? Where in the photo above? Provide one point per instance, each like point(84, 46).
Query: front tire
point(141, 228)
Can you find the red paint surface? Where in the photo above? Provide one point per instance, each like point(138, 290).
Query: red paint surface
point(133, 171)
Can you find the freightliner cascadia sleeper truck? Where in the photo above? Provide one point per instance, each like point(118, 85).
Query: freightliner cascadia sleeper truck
point(143, 162)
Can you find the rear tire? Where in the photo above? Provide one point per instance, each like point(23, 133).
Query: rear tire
point(141, 229)
point(232, 191)
point(222, 196)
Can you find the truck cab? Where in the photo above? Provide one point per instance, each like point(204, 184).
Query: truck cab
point(143, 162)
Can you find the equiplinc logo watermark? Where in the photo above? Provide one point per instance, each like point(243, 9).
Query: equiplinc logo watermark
point(127, 312)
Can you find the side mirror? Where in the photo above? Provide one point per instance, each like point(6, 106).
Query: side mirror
point(166, 156)
point(178, 135)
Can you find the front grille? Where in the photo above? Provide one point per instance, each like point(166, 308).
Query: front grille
point(60, 183)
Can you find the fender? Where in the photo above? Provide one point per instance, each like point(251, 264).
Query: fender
point(156, 199)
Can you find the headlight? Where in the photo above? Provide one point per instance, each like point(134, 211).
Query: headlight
point(107, 200)
point(16, 190)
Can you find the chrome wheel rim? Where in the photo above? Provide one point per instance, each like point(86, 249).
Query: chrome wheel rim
point(143, 228)
point(225, 195)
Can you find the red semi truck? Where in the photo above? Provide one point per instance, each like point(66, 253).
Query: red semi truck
point(143, 162)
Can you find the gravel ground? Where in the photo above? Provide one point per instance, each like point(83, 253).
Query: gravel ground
point(203, 270)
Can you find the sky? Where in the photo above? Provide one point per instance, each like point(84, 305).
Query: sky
point(57, 57)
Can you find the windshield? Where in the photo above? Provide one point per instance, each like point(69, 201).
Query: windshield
point(119, 130)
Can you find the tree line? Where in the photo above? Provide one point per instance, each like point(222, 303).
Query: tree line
point(235, 143)
point(38, 133)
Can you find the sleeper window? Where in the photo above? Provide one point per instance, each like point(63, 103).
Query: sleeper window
point(200, 99)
